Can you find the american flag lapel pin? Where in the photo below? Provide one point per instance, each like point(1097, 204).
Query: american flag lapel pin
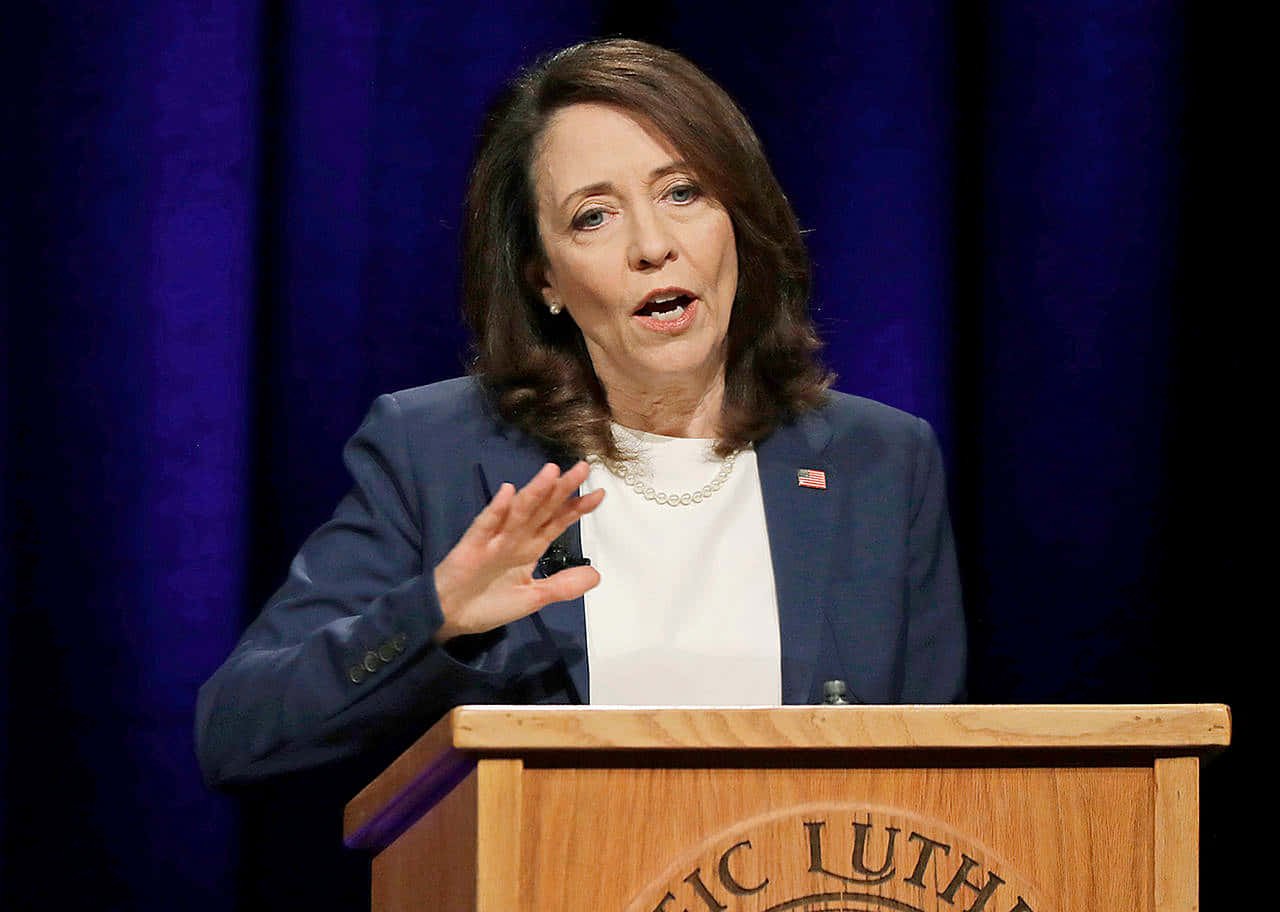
point(811, 478)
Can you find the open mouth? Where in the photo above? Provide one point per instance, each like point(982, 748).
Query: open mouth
point(666, 305)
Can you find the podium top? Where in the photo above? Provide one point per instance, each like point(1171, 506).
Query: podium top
point(449, 749)
point(526, 728)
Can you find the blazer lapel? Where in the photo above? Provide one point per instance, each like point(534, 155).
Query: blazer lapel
point(800, 522)
point(512, 456)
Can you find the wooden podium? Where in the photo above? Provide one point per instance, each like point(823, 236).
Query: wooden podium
point(850, 808)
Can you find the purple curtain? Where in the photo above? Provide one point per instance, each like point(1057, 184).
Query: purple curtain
point(232, 225)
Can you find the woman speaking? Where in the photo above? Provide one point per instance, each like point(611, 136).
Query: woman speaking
point(645, 492)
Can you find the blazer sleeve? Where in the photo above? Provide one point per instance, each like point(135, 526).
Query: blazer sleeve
point(936, 644)
point(341, 657)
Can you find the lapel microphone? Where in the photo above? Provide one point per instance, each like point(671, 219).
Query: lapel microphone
point(560, 556)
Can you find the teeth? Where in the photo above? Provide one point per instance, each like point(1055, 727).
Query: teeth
point(669, 314)
point(665, 298)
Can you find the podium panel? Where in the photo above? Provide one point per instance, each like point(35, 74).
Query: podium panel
point(904, 809)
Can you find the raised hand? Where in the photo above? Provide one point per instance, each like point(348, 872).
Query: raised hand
point(487, 579)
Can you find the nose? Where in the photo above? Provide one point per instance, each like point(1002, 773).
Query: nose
point(652, 244)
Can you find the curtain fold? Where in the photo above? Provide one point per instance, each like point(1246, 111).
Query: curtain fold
point(1081, 190)
point(126, 441)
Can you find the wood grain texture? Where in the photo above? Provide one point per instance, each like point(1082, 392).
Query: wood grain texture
point(499, 835)
point(463, 855)
point(542, 808)
point(1177, 834)
point(1081, 834)
point(436, 858)
point(440, 757)
point(805, 857)
point(1198, 726)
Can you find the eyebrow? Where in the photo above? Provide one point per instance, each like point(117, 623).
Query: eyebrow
point(605, 186)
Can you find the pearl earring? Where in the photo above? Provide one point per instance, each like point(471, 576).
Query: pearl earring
point(555, 307)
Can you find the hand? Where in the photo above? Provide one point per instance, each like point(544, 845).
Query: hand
point(487, 579)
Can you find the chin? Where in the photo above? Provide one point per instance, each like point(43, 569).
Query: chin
point(675, 365)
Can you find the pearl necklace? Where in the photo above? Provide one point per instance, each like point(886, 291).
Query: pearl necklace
point(634, 479)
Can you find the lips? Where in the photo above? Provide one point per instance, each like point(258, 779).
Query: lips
point(667, 311)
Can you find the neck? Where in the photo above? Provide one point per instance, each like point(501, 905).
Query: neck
point(672, 410)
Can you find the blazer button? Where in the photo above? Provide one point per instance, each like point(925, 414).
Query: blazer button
point(398, 641)
point(356, 674)
point(386, 653)
point(371, 661)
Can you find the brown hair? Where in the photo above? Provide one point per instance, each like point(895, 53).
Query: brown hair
point(535, 365)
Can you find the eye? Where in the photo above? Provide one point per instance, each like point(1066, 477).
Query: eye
point(683, 193)
point(592, 218)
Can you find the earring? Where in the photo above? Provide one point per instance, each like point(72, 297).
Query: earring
point(555, 307)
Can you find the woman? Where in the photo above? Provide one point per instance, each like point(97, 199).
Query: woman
point(637, 289)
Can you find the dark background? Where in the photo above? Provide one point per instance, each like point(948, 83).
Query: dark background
point(232, 225)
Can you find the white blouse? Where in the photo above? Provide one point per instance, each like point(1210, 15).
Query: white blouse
point(686, 613)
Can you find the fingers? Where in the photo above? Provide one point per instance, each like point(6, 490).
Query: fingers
point(563, 492)
point(571, 511)
point(528, 519)
point(529, 499)
point(485, 580)
point(539, 500)
point(567, 584)
point(492, 518)
point(537, 594)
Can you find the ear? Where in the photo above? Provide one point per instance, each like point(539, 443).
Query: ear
point(535, 273)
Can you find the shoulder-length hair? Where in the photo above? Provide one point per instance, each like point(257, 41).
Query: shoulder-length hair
point(536, 365)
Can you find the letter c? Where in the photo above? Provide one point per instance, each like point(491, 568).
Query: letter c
point(730, 882)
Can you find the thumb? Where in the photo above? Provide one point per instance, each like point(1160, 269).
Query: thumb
point(566, 584)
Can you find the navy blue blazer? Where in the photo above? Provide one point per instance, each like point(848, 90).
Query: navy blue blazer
point(341, 658)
